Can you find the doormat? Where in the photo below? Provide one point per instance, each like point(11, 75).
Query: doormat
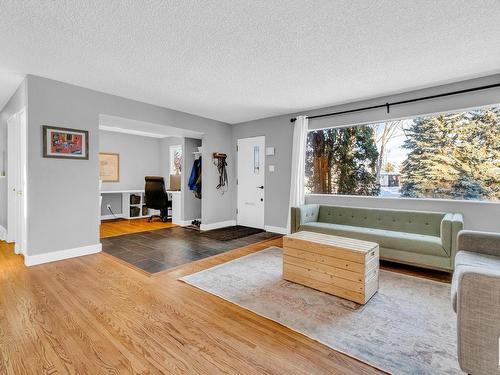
point(231, 233)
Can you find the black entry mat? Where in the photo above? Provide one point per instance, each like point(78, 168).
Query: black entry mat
point(231, 233)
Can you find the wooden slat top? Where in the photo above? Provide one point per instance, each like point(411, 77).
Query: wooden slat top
point(335, 241)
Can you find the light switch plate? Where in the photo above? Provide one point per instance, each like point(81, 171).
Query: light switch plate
point(269, 151)
point(271, 168)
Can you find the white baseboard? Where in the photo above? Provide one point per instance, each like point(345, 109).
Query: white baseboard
point(220, 224)
point(182, 223)
point(33, 260)
point(109, 217)
point(3, 233)
point(279, 230)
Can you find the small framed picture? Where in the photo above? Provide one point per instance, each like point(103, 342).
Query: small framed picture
point(109, 167)
point(64, 143)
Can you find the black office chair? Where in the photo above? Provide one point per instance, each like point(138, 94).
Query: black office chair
point(156, 197)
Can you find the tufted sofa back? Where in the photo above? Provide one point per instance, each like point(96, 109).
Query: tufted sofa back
point(428, 223)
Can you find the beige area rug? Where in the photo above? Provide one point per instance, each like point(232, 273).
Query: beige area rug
point(408, 327)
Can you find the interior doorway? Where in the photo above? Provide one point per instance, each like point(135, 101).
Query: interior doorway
point(17, 181)
point(251, 181)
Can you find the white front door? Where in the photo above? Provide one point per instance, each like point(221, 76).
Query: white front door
point(16, 181)
point(251, 181)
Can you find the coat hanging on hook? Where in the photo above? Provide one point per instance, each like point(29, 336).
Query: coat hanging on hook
point(220, 163)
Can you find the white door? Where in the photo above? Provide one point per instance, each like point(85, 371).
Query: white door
point(251, 181)
point(16, 181)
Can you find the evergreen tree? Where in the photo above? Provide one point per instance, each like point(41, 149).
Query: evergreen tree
point(454, 156)
point(342, 161)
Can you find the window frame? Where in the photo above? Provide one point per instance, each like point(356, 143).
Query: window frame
point(388, 119)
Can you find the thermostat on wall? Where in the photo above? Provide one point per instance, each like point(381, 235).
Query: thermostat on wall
point(269, 151)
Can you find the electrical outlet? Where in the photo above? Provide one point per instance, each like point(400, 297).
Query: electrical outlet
point(108, 206)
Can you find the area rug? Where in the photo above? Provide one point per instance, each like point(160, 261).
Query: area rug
point(408, 327)
point(231, 233)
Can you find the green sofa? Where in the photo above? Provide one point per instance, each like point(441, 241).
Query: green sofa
point(425, 239)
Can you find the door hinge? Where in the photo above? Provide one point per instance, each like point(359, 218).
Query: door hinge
point(236, 210)
point(236, 181)
point(237, 148)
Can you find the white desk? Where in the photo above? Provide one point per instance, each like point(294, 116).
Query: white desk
point(174, 196)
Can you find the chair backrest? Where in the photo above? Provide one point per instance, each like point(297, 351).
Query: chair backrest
point(155, 196)
point(419, 222)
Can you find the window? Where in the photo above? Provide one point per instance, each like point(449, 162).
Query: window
point(175, 159)
point(448, 156)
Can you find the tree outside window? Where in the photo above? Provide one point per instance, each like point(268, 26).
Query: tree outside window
point(449, 156)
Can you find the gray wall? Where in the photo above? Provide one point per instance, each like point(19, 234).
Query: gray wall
point(191, 206)
point(15, 104)
point(278, 131)
point(115, 201)
point(165, 144)
point(63, 194)
point(139, 157)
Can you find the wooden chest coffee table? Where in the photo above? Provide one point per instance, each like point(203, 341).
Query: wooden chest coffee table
point(344, 267)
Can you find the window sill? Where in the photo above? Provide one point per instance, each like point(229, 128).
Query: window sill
point(405, 199)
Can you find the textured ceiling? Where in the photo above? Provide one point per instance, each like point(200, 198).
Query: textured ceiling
point(241, 60)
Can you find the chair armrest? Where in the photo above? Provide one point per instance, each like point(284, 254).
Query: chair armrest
point(451, 224)
point(302, 215)
point(478, 326)
point(479, 242)
point(457, 225)
point(446, 232)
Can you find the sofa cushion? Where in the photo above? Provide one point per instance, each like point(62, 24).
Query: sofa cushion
point(470, 259)
point(417, 243)
point(419, 222)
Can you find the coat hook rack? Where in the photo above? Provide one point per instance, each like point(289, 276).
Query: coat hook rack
point(220, 163)
point(219, 155)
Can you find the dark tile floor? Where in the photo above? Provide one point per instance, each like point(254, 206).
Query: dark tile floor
point(162, 249)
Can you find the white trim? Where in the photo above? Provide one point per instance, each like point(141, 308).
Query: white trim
point(109, 217)
point(220, 224)
point(183, 223)
point(3, 233)
point(279, 230)
point(404, 199)
point(53, 256)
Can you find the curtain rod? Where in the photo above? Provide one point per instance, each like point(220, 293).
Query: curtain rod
point(388, 105)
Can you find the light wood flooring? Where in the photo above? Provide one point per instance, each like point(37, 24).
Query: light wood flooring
point(93, 315)
point(113, 228)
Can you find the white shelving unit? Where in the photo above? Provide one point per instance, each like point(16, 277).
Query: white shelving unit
point(128, 207)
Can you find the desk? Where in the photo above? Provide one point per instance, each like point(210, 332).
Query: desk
point(129, 210)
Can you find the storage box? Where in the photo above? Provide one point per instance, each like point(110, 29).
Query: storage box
point(344, 267)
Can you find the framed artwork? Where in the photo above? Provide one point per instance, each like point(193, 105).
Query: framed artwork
point(109, 167)
point(64, 143)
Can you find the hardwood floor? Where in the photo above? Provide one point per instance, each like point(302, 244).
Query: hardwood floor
point(96, 316)
point(112, 228)
point(441, 276)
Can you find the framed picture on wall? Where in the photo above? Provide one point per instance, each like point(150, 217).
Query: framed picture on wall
point(109, 167)
point(64, 143)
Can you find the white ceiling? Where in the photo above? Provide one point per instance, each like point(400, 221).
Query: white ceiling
point(240, 60)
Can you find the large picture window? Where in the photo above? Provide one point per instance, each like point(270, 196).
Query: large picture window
point(448, 156)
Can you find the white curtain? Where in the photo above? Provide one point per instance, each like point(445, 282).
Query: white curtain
point(297, 194)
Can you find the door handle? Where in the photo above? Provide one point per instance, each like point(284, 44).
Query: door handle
point(260, 187)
